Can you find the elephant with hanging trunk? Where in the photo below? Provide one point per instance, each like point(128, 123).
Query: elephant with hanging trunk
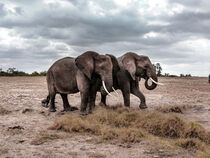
point(127, 71)
point(70, 75)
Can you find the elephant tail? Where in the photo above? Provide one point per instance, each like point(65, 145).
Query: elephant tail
point(46, 101)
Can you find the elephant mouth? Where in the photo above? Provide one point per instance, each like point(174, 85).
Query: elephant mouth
point(104, 86)
point(154, 83)
point(150, 87)
point(158, 83)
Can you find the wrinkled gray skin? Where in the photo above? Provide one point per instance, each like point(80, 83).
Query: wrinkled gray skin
point(127, 71)
point(70, 75)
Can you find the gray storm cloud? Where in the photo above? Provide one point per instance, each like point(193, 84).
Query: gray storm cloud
point(174, 33)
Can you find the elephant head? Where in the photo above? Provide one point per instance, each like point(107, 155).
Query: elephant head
point(92, 65)
point(140, 66)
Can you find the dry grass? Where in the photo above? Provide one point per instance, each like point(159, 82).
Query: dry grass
point(190, 143)
point(129, 125)
point(197, 131)
point(174, 108)
point(204, 155)
point(43, 137)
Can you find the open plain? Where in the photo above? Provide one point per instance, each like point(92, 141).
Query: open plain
point(25, 132)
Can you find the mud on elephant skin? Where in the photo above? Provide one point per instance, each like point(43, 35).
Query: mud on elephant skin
point(127, 71)
point(70, 75)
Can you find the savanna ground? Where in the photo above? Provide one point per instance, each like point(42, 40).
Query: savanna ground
point(176, 124)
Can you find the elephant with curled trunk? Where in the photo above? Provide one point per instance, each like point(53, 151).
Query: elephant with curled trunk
point(127, 71)
point(70, 75)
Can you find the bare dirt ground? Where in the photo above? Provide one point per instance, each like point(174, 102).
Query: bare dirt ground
point(23, 119)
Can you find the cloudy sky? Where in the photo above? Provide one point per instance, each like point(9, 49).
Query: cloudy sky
point(175, 33)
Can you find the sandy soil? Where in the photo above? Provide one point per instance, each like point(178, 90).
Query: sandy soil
point(23, 119)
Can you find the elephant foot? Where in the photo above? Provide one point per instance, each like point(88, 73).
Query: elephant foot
point(102, 104)
point(90, 111)
point(52, 110)
point(45, 103)
point(83, 113)
point(143, 106)
point(73, 108)
point(70, 108)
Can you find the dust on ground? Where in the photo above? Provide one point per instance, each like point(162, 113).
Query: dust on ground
point(23, 119)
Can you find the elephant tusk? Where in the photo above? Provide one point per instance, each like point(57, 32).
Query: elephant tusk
point(115, 91)
point(156, 82)
point(105, 88)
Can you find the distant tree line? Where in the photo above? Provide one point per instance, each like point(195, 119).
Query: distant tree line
point(185, 75)
point(159, 69)
point(14, 72)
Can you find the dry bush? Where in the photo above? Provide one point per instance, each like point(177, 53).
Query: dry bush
point(162, 125)
point(197, 131)
point(108, 124)
point(132, 135)
point(190, 144)
point(129, 125)
point(174, 108)
point(204, 155)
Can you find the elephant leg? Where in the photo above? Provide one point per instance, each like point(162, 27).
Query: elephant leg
point(126, 94)
point(103, 99)
point(52, 102)
point(140, 95)
point(126, 97)
point(84, 87)
point(92, 98)
point(66, 105)
point(124, 85)
point(136, 91)
point(84, 101)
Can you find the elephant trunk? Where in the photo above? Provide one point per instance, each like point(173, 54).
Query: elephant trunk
point(154, 85)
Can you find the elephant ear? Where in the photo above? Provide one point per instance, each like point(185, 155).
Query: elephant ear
point(116, 66)
point(85, 63)
point(130, 65)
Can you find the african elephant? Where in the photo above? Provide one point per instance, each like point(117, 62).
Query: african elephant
point(70, 75)
point(127, 71)
point(209, 78)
